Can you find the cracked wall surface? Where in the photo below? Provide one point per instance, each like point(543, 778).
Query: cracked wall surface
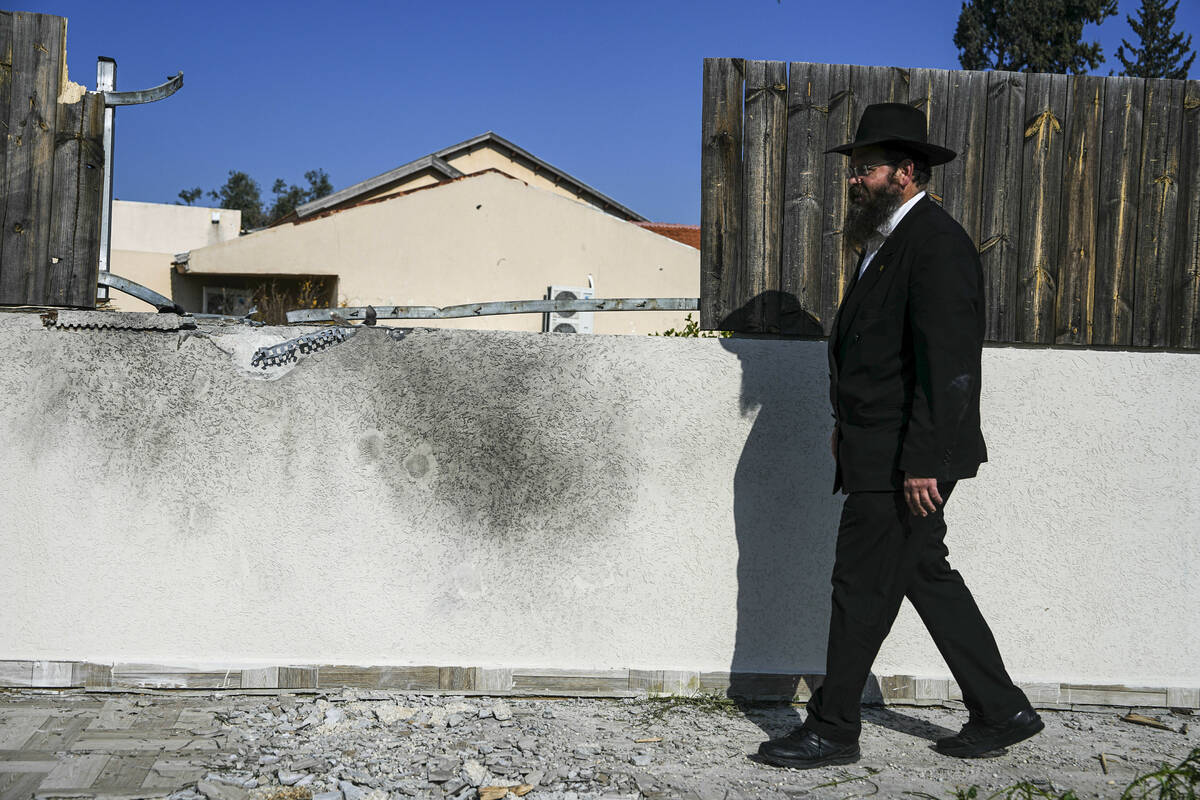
point(511, 499)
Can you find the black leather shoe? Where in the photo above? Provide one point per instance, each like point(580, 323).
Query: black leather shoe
point(804, 749)
point(978, 738)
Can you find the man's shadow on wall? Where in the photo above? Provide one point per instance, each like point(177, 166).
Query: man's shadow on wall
point(784, 514)
point(786, 520)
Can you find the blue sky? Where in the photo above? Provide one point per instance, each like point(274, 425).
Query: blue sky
point(608, 91)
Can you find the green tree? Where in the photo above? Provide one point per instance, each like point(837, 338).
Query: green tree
point(1164, 53)
point(1030, 35)
point(190, 196)
point(242, 193)
point(289, 198)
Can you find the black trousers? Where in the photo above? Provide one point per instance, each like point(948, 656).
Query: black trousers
point(885, 554)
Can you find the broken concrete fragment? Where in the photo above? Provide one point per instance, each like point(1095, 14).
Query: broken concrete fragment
point(502, 711)
point(221, 791)
point(391, 713)
point(441, 769)
point(475, 773)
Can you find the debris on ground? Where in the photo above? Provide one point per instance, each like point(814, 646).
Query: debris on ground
point(382, 745)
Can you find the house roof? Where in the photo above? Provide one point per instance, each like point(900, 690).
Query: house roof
point(437, 164)
point(684, 234)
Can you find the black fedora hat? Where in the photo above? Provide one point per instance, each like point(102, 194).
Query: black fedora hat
point(895, 124)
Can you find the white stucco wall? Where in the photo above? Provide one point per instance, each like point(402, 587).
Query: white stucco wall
point(493, 498)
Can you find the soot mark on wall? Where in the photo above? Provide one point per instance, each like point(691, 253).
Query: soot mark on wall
point(498, 433)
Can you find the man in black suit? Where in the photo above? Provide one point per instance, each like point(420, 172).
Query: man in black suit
point(904, 360)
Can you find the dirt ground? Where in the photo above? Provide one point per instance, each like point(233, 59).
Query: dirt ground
point(356, 745)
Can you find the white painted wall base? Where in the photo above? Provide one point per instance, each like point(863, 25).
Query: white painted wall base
point(575, 503)
point(540, 682)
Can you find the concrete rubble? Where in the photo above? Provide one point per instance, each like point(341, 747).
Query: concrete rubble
point(377, 745)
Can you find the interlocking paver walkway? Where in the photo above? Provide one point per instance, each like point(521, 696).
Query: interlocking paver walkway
point(60, 745)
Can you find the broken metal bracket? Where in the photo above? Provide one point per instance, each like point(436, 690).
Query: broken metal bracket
point(140, 292)
point(137, 98)
point(363, 313)
point(106, 85)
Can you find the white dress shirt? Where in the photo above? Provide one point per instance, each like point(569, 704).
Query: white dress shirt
point(877, 239)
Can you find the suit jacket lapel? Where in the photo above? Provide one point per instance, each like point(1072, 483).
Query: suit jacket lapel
point(835, 331)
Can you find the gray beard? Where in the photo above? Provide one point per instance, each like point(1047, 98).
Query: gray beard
point(864, 218)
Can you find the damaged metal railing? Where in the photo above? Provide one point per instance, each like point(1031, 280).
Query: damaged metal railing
point(368, 313)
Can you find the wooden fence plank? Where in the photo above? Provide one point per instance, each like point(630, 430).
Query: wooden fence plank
point(879, 85)
point(966, 118)
point(836, 258)
point(65, 203)
point(37, 71)
point(800, 276)
point(1000, 212)
point(1185, 327)
point(37, 65)
point(1041, 184)
point(927, 91)
point(1077, 251)
point(721, 192)
point(764, 142)
point(1117, 213)
point(6, 32)
point(1157, 211)
point(85, 249)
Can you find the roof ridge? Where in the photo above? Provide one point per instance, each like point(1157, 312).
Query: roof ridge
point(437, 161)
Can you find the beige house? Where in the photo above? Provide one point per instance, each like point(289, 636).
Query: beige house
point(480, 221)
point(147, 236)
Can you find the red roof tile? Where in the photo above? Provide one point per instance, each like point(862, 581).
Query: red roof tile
point(686, 234)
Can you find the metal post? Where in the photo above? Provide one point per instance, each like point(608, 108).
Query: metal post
point(106, 81)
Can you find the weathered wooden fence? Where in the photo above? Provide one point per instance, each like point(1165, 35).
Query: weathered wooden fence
point(51, 168)
point(1082, 194)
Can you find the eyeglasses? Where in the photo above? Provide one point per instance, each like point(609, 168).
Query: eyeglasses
point(863, 170)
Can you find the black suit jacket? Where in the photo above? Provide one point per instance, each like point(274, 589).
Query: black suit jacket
point(904, 358)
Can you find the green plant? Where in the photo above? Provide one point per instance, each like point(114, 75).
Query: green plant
point(1178, 782)
point(658, 707)
point(691, 329)
point(273, 302)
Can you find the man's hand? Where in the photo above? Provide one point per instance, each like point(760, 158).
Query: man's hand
point(833, 443)
point(921, 494)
